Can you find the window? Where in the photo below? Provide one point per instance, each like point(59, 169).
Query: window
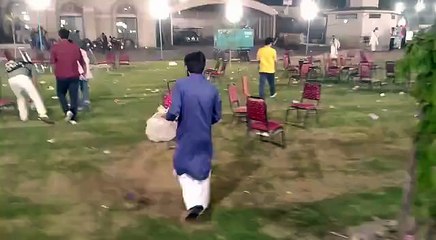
point(374, 15)
point(346, 16)
point(393, 16)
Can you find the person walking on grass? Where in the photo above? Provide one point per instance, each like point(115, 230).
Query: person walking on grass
point(23, 85)
point(84, 101)
point(196, 105)
point(66, 58)
point(267, 57)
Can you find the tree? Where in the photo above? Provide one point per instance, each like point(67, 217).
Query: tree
point(420, 186)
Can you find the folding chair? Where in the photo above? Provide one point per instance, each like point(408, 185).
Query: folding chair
point(5, 102)
point(166, 98)
point(390, 70)
point(218, 73)
point(109, 59)
point(245, 86)
point(215, 68)
point(124, 59)
point(365, 75)
point(332, 69)
point(309, 102)
point(239, 111)
point(257, 121)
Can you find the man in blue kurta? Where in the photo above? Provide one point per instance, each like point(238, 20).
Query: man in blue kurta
point(196, 105)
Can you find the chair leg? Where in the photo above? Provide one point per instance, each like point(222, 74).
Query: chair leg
point(283, 139)
point(317, 116)
point(287, 114)
point(306, 116)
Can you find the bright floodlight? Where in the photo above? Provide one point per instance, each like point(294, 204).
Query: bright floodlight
point(234, 10)
point(399, 7)
point(309, 9)
point(38, 5)
point(420, 5)
point(159, 9)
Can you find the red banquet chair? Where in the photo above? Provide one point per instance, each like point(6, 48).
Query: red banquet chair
point(257, 121)
point(218, 73)
point(333, 69)
point(239, 111)
point(124, 59)
point(365, 75)
point(4, 103)
point(309, 102)
point(166, 98)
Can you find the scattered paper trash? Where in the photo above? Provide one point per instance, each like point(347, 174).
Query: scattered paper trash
point(155, 91)
point(382, 94)
point(148, 89)
point(128, 89)
point(288, 192)
point(104, 206)
point(373, 116)
point(42, 82)
point(329, 85)
point(378, 100)
point(51, 140)
point(247, 192)
point(107, 152)
point(295, 101)
point(50, 88)
point(54, 97)
point(172, 64)
point(126, 96)
point(231, 78)
point(415, 115)
point(384, 110)
point(355, 87)
point(145, 94)
point(277, 77)
point(233, 72)
point(401, 93)
point(332, 107)
point(4, 85)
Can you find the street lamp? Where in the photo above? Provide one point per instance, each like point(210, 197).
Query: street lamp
point(39, 5)
point(399, 7)
point(420, 5)
point(308, 10)
point(160, 9)
point(234, 11)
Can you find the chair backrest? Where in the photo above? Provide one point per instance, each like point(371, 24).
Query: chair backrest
point(310, 59)
point(256, 110)
point(233, 94)
point(365, 70)
point(124, 57)
point(390, 67)
point(312, 91)
point(305, 69)
point(245, 87)
point(286, 61)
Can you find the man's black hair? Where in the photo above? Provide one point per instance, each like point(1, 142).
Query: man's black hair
point(195, 62)
point(269, 41)
point(64, 33)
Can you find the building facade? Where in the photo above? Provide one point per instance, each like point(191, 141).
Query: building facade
point(130, 19)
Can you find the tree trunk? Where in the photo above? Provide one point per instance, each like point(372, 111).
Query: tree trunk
point(405, 223)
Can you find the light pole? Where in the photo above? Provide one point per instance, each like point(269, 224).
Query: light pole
point(39, 5)
point(308, 10)
point(160, 10)
point(234, 13)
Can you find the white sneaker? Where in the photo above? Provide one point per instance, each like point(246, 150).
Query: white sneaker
point(68, 116)
point(274, 95)
point(72, 122)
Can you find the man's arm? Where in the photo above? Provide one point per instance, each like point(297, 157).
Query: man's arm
point(176, 105)
point(53, 58)
point(216, 113)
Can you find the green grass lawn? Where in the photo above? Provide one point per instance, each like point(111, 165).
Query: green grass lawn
point(340, 172)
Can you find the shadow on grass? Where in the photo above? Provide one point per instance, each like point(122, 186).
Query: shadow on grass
point(315, 219)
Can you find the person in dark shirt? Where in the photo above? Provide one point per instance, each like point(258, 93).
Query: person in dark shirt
point(65, 57)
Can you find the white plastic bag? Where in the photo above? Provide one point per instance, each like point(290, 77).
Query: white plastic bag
point(160, 130)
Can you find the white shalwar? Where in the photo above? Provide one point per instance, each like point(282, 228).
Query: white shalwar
point(334, 47)
point(195, 192)
point(373, 41)
point(22, 85)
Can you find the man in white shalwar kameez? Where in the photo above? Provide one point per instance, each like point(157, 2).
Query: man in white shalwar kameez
point(196, 105)
point(373, 41)
point(334, 47)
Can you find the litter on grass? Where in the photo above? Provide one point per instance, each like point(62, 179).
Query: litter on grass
point(373, 116)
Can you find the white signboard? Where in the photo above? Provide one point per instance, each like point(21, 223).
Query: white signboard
point(287, 2)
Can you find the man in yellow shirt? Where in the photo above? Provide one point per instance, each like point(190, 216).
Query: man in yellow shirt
point(267, 57)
